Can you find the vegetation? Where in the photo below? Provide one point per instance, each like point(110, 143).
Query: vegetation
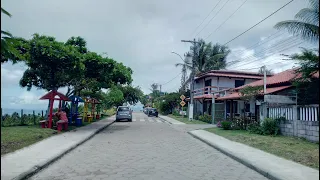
point(291, 148)
point(185, 119)
point(306, 24)
point(14, 138)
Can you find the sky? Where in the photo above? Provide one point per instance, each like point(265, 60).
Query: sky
point(143, 33)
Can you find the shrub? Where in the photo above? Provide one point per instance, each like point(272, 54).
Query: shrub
point(226, 125)
point(175, 113)
point(205, 118)
point(255, 128)
point(270, 126)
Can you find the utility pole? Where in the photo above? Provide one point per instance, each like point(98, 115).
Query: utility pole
point(160, 89)
point(191, 109)
point(264, 79)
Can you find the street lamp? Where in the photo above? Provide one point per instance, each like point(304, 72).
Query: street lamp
point(177, 54)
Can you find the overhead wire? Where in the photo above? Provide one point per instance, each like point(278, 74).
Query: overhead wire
point(259, 22)
point(226, 19)
point(206, 17)
point(212, 17)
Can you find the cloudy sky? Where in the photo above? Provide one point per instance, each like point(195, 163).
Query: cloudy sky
point(142, 34)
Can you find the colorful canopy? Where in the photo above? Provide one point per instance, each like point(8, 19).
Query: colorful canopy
point(51, 94)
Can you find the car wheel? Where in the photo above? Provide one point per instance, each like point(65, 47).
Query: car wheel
point(117, 120)
point(130, 120)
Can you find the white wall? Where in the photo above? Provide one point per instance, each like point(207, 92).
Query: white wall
point(223, 82)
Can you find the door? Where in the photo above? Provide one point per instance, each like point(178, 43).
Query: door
point(219, 112)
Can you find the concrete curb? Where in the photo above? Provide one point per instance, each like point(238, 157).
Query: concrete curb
point(165, 120)
point(41, 166)
point(239, 159)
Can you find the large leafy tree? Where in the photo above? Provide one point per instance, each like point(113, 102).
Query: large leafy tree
point(51, 64)
point(306, 24)
point(131, 94)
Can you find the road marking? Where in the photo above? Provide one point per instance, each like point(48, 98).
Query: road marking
point(133, 119)
point(142, 120)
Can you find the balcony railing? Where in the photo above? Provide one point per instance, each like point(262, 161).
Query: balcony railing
point(209, 90)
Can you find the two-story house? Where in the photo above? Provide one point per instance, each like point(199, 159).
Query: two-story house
point(216, 82)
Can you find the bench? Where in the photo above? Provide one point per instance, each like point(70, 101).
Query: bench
point(89, 118)
point(61, 124)
point(43, 123)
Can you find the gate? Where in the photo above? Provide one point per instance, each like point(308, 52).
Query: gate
point(219, 112)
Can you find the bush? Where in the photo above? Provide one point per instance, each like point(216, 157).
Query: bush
point(165, 108)
point(175, 113)
point(270, 127)
point(226, 125)
point(205, 118)
point(255, 128)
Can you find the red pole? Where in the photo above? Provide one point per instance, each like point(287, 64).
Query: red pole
point(59, 104)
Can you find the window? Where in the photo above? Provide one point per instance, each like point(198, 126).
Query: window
point(238, 83)
point(123, 109)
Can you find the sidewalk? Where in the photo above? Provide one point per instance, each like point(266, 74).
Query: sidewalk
point(171, 120)
point(27, 161)
point(267, 164)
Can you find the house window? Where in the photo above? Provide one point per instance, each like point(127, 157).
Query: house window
point(238, 83)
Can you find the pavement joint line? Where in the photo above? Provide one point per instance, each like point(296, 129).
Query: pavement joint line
point(249, 165)
point(39, 167)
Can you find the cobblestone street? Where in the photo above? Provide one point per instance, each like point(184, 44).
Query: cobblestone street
point(146, 148)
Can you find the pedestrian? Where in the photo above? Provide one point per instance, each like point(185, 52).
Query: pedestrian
point(62, 115)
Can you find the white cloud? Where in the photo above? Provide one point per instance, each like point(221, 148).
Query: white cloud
point(10, 77)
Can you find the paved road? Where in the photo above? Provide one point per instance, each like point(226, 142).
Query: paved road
point(146, 148)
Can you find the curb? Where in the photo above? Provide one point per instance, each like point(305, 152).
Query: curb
point(39, 167)
point(165, 120)
point(242, 161)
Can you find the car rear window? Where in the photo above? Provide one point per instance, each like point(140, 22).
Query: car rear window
point(123, 109)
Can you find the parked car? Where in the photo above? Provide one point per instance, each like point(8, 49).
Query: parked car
point(145, 110)
point(153, 112)
point(124, 112)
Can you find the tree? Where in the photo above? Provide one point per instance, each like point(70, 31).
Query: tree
point(51, 64)
point(268, 71)
point(114, 97)
point(79, 43)
point(306, 24)
point(307, 82)
point(131, 95)
point(9, 44)
point(154, 90)
point(186, 65)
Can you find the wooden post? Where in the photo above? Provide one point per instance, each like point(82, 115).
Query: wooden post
point(21, 122)
point(1, 119)
point(231, 110)
point(34, 118)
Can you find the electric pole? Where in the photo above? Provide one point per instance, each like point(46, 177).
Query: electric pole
point(191, 109)
point(160, 89)
point(264, 79)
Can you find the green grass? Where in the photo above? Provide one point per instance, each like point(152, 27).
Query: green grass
point(291, 148)
point(186, 120)
point(17, 137)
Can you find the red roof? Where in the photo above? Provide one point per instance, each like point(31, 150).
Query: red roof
point(232, 74)
point(52, 94)
point(283, 77)
point(236, 95)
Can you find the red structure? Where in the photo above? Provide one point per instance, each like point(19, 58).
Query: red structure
point(51, 96)
point(93, 107)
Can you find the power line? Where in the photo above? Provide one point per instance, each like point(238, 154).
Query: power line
point(270, 55)
point(259, 22)
point(206, 17)
point(172, 79)
point(282, 44)
point(259, 43)
point(212, 18)
point(226, 19)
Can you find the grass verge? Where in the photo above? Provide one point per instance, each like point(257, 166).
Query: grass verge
point(292, 148)
point(17, 137)
point(186, 120)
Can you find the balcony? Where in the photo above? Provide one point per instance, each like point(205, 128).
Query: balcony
point(206, 92)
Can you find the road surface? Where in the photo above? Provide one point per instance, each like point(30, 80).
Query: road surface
point(147, 148)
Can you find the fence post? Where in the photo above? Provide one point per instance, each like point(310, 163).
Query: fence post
point(21, 117)
point(295, 120)
point(42, 114)
point(34, 118)
point(1, 119)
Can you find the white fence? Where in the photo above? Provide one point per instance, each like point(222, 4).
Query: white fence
point(303, 113)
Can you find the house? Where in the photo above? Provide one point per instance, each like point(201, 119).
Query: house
point(216, 82)
point(279, 90)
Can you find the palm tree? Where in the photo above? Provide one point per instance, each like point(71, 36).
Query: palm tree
point(307, 23)
point(206, 58)
point(186, 65)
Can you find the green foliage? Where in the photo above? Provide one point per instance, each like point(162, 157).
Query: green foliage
point(205, 118)
point(226, 125)
point(306, 24)
point(131, 94)
point(16, 120)
point(176, 113)
point(255, 128)
point(270, 127)
point(249, 92)
point(165, 108)
point(113, 98)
